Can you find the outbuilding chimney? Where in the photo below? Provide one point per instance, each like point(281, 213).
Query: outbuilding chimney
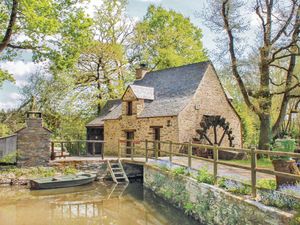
point(141, 71)
point(34, 119)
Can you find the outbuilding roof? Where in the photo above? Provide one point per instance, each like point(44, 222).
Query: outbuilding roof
point(142, 92)
point(166, 92)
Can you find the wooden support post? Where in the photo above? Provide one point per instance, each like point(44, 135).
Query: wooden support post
point(190, 155)
point(146, 149)
point(119, 149)
point(156, 149)
point(94, 149)
point(170, 151)
point(216, 157)
point(61, 149)
point(78, 148)
point(102, 150)
point(52, 157)
point(253, 172)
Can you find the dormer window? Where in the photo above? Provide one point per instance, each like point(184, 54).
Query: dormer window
point(129, 108)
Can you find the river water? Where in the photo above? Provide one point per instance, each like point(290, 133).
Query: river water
point(98, 203)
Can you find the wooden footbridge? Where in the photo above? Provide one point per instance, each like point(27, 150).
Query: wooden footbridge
point(182, 154)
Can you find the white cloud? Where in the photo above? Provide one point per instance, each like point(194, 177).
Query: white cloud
point(10, 100)
point(21, 70)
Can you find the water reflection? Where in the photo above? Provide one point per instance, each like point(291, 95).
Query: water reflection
point(98, 203)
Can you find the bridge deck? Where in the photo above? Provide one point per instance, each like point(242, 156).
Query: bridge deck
point(223, 171)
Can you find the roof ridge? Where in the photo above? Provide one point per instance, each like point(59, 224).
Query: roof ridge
point(186, 65)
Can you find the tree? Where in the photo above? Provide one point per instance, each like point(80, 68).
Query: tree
point(103, 67)
point(51, 29)
point(165, 38)
point(65, 111)
point(276, 49)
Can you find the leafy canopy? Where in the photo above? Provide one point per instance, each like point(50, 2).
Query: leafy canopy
point(165, 38)
point(54, 30)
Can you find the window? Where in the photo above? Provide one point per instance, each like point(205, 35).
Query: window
point(129, 108)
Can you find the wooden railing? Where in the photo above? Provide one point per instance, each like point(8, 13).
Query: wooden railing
point(63, 148)
point(152, 149)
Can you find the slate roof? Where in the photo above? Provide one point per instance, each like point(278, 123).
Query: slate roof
point(142, 92)
point(172, 89)
point(107, 112)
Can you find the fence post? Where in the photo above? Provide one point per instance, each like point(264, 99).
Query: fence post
point(94, 150)
point(78, 148)
point(119, 149)
point(131, 149)
point(156, 149)
point(170, 151)
point(216, 157)
point(253, 172)
point(190, 155)
point(146, 149)
point(61, 149)
point(52, 151)
point(102, 149)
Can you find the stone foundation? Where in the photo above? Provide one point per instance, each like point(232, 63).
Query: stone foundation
point(210, 204)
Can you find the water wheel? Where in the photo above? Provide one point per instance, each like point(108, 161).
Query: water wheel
point(215, 130)
point(210, 129)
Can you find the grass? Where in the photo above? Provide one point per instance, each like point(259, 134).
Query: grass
point(264, 162)
point(35, 172)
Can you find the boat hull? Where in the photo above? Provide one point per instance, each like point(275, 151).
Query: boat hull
point(38, 184)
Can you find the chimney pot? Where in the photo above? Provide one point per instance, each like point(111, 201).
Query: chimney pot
point(141, 71)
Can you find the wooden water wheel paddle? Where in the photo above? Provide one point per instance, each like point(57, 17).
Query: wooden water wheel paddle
point(214, 123)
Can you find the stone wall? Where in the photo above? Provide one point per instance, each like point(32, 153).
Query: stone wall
point(33, 144)
point(210, 204)
point(209, 99)
point(114, 130)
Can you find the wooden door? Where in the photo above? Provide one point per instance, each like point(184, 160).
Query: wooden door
point(130, 138)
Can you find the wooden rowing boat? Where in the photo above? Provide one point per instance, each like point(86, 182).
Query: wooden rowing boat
point(61, 182)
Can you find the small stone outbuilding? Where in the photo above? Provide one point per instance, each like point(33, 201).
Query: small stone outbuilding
point(171, 105)
point(33, 142)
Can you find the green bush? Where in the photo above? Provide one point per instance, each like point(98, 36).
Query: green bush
point(204, 176)
point(267, 184)
point(10, 158)
point(279, 200)
point(189, 208)
point(179, 171)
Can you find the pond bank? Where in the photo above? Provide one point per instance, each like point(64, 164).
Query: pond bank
point(21, 176)
point(210, 204)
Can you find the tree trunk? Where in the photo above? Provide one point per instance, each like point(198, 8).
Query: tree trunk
point(265, 132)
point(9, 31)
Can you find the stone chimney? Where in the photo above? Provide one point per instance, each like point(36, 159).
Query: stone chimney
point(141, 71)
point(34, 119)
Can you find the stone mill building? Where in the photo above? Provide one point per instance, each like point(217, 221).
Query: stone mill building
point(181, 104)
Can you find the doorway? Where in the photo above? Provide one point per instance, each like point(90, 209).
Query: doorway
point(129, 144)
point(157, 137)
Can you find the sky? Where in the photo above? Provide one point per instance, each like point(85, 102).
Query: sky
point(21, 68)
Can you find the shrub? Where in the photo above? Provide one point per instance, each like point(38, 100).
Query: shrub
point(267, 184)
point(204, 176)
point(10, 158)
point(179, 171)
point(278, 199)
point(236, 187)
point(69, 170)
point(188, 208)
